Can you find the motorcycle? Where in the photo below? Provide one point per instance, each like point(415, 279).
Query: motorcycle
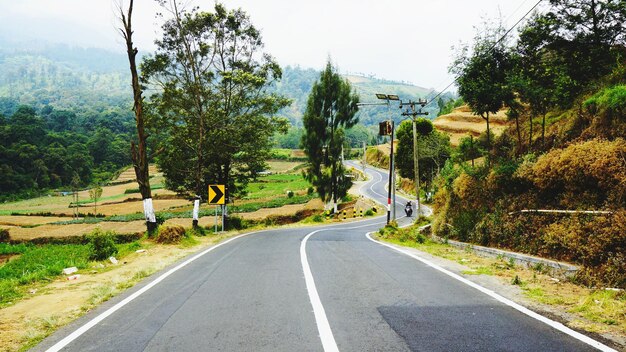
point(408, 209)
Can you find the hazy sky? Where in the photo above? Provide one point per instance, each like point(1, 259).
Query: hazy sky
point(408, 40)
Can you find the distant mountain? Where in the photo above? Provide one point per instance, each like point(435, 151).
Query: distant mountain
point(62, 77)
point(297, 82)
point(80, 79)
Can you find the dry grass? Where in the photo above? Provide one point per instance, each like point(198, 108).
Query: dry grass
point(282, 166)
point(129, 174)
point(315, 204)
point(21, 233)
point(462, 122)
point(30, 220)
point(135, 207)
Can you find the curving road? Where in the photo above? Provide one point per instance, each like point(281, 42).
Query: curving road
point(324, 288)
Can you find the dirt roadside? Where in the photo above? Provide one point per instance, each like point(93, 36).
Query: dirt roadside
point(552, 303)
point(52, 305)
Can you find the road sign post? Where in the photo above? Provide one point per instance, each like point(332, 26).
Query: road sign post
point(217, 197)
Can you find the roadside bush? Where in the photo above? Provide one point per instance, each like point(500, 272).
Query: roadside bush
point(310, 190)
point(197, 231)
point(289, 194)
point(101, 245)
point(235, 222)
point(408, 234)
point(4, 235)
point(170, 234)
point(583, 175)
point(317, 218)
point(369, 212)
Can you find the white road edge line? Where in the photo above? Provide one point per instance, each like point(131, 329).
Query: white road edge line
point(93, 322)
point(556, 325)
point(323, 327)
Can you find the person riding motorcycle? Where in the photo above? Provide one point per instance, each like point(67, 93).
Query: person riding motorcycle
point(408, 208)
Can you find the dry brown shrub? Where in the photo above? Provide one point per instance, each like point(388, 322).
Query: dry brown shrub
point(587, 174)
point(170, 234)
point(4, 235)
point(469, 191)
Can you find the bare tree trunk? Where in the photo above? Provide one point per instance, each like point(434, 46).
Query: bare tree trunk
point(543, 132)
point(488, 139)
point(519, 136)
point(139, 152)
point(530, 134)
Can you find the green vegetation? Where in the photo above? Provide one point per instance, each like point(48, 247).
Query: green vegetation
point(136, 190)
point(276, 185)
point(433, 150)
point(220, 131)
point(37, 263)
point(331, 108)
point(446, 106)
point(101, 245)
point(39, 152)
point(570, 81)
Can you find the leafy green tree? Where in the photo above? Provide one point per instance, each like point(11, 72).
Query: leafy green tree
point(468, 149)
point(213, 106)
point(290, 140)
point(433, 146)
point(331, 107)
point(482, 78)
point(562, 50)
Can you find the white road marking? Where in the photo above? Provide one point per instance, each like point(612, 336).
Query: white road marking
point(508, 302)
point(93, 322)
point(323, 327)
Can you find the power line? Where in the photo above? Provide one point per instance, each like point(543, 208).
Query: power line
point(490, 49)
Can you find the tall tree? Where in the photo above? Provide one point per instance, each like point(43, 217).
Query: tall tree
point(139, 151)
point(212, 104)
point(433, 146)
point(331, 108)
point(482, 77)
point(563, 49)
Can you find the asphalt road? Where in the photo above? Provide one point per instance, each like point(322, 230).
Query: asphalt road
point(309, 289)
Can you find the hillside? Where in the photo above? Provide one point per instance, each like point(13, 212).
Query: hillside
point(80, 80)
point(62, 77)
point(461, 122)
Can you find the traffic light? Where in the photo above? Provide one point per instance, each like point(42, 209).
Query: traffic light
point(384, 128)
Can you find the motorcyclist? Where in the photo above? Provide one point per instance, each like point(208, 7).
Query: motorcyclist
point(408, 208)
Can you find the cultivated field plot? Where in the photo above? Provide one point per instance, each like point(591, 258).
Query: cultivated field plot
point(461, 122)
point(122, 206)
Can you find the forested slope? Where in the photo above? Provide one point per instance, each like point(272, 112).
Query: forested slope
point(564, 85)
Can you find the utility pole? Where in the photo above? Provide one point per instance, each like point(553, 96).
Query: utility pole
point(364, 157)
point(413, 114)
point(386, 128)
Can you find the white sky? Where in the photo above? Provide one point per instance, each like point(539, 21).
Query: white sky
point(396, 39)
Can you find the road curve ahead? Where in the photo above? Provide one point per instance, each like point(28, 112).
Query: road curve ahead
point(324, 288)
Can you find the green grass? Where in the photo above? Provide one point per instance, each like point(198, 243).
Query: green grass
point(6, 248)
point(603, 306)
point(100, 200)
point(38, 263)
point(276, 185)
point(481, 270)
point(136, 190)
